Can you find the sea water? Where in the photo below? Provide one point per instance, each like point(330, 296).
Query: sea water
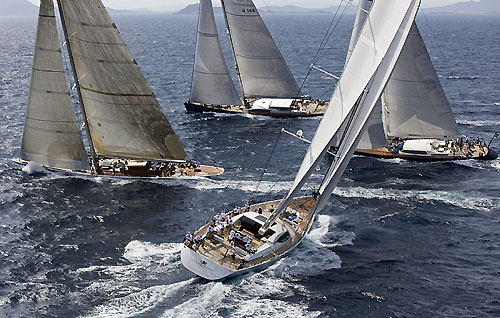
point(398, 238)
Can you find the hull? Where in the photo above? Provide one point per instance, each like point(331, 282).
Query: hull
point(201, 171)
point(384, 153)
point(238, 109)
point(210, 259)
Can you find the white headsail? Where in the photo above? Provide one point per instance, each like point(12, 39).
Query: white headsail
point(124, 116)
point(262, 69)
point(374, 135)
point(212, 83)
point(414, 103)
point(364, 7)
point(51, 134)
point(364, 77)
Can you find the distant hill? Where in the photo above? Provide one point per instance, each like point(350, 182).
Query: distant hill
point(126, 12)
point(469, 7)
point(17, 8)
point(290, 9)
point(193, 9)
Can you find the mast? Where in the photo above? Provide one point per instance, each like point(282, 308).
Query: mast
point(95, 164)
point(51, 135)
point(363, 80)
point(262, 68)
point(211, 81)
point(234, 53)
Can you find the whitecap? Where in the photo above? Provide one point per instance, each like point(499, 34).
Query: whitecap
point(455, 198)
point(479, 123)
point(137, 303)
point(34, 168)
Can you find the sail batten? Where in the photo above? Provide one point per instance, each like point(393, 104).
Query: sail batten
point(414, 103)
point(262, 69)
point(211, 83)
point(123, 115)
point(51, 135)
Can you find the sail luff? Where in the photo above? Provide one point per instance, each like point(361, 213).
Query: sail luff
point(238, 74)
point(261, 66)
point(374, 133)
point(414, 103)
point(376, 38)
point(124, 116)
point(365, 109)
point(211, 83)
point(78, 89)
point(51, 136)
point(364, 7)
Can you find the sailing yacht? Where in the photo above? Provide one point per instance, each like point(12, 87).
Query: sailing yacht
point(414, 120)
point(254, 236)
point(267, 84)
point(127, 132)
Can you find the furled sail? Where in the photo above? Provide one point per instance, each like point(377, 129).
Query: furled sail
point(212, 83)
point(124, 116)
point(357, 92)
point(262, 69)
point(414, 103)
point(51, 135)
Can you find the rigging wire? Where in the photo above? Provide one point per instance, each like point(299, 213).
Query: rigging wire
point(328, 34)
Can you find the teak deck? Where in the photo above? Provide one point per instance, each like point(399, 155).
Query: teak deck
point(218, 247)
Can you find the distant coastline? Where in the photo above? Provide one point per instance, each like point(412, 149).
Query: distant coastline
point(15, 8)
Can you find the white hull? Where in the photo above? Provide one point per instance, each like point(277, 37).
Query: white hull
point(211, 260)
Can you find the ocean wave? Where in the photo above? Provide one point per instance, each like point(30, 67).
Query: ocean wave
point(312, 256)
point(137, 303)
point(479, 123)
point(455, 198)
point(34, 168)
point(252, 294)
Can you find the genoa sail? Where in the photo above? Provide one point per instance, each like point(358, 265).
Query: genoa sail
point(364, 77)
point(212, 83)
point(369, 99)
point(51, 135)
point(374, 135)
point(262, 69)
point(123, 114)
point(414, 103)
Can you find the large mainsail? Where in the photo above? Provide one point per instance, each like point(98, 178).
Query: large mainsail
point(356, 94)
point(414, 103)
point(212, 83)
point(262, 69)
point(51, 134)
point(124, 116)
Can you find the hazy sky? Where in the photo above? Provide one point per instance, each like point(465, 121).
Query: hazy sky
point(174, 5)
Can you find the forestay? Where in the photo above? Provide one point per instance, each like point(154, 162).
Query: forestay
point(51, 135)
point(124, 116)
point(212, 83)
point(414, 103)
point(262, 69)
point(367, 103)
point(362, 81)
